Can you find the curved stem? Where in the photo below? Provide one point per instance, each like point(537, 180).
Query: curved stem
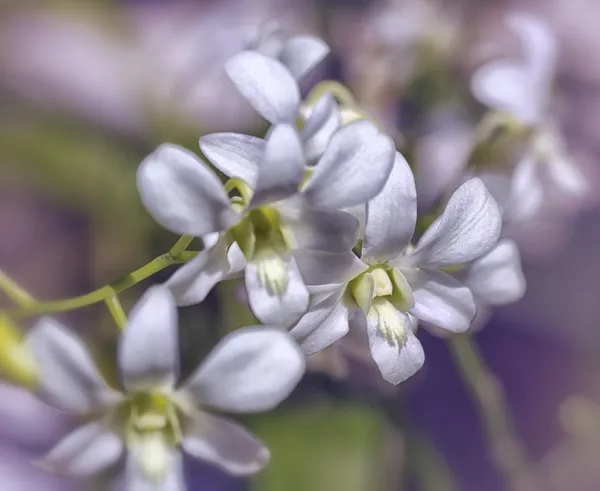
point(508, 451)
point(338, 90)
point(107, 293)
point(14, 291)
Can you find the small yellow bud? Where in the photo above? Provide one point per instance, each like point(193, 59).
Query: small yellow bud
point(17, 364)
point(362, 289)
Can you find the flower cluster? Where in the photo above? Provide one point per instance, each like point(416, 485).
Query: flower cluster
point(320, 220)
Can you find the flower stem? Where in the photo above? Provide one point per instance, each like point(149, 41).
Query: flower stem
point(339, 91)
point(508, 452)
point(107, 293)
point(14, 291)
point(116, 310)
point(180, 246)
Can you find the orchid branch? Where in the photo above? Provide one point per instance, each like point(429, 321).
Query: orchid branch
point(107, 293)
point(508, 451)
point(14, 291)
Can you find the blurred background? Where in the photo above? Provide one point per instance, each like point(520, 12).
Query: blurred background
point(88, 88)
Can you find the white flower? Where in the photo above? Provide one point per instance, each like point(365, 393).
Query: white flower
point(299, 54)
point(523, 89)
point(392, 280)
point(270, 86)
point(252, 369)
point(497, 278)
point(272, 218)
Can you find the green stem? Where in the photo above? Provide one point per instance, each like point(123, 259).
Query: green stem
point(116, 310)
point(180, 246)
point(508, 451)
point(103, 294)
point(338, 90)
point(14, 291)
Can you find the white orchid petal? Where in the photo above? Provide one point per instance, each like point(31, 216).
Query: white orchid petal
point(136, 480)
point(353, 169)
point(302, 53)
point(468, 228)
point(86, 451)
point(226, 445)
point(325, 230)
point(443, 301)
point(523, 196)
point(234, 154)
point(322, 123)
point(69, 378)
point(272, 307)
point(282, 168)
point(391, 215)
point(441, 157)
point(541, 51)
point(564, 174)
point(148, 349)
point(396, 362)
point(325, 268)
point(182, 193)
point(323, 325)
point(237, 260)
point(252, 369)
point(193, 281)
point(497, 277)
point(267, 85)
point(504, 85)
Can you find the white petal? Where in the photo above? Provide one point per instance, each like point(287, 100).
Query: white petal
point(69, 378)
point(148, 348)
point(302, 53)
point(391, 215)
point(237, 260)
point(440, 159)
point(540, 46)
point(353, 169)
point(182, 193)
point(267, 85)
point(324, 120)
point(525, 197)
point(173, 480)
point(563, 172)
point(395, 362)
point(225, 444)
point(325, 268)
point(282, 168)
point(192, 282)
point(325, 230)
point(505, 85)
point(252, 369)
point(443, 301)
point(234, 154)
point(468, 228)
point(497, 277)
point(323, 325)
point(86, 451)
point(271, 307)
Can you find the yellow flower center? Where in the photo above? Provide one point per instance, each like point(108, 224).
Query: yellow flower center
point(153, 431)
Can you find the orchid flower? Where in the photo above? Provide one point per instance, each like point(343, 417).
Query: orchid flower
point(393, 280)
point(276, 213)
point(154, 417)
point(299, 54)
point(523, 89)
